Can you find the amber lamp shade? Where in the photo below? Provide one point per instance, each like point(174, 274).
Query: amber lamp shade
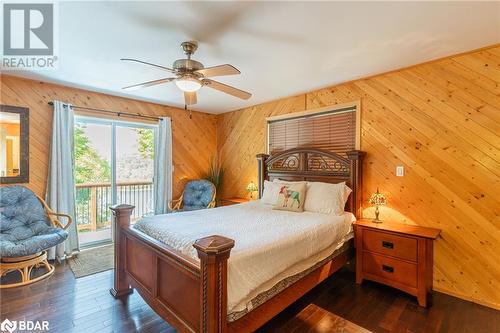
point(252, 188)
point(377, 199)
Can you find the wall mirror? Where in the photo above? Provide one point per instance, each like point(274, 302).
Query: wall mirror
point(14, 144)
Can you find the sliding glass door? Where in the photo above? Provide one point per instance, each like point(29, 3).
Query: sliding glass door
point(114, 163)
point(93, 152)
point(135, 168)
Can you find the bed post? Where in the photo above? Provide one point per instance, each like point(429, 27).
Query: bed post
point(261, 160)
point(356, 159)
point(213, 252)
point(121, 219)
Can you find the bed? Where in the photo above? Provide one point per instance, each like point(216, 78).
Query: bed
point(190, 270)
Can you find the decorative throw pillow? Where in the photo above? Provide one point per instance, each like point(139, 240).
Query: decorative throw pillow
point(270, 194)
point(291, 197)
point(326, 198)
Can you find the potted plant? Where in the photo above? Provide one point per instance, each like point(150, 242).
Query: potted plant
point(216, 174)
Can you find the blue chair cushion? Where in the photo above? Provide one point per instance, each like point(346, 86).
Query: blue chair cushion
point(191, 208)
point(198, 194)
point(24, 227)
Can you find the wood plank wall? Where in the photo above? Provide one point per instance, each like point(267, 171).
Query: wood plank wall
point(441, 120)
point(193, 139)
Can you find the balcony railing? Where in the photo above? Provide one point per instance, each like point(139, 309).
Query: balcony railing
point(93, 202)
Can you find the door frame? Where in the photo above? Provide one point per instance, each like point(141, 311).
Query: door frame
point(115, 123)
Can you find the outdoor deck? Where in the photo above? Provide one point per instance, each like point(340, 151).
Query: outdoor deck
point(93, 216)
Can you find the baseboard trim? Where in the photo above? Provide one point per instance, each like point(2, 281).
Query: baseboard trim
point(468, 298)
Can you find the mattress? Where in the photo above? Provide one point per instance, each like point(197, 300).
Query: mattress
point(288, 278)
point(270, 245)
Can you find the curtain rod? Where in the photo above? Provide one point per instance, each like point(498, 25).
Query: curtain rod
point(118, 113)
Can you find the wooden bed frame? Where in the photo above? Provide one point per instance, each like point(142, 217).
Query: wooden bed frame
point(192, 296)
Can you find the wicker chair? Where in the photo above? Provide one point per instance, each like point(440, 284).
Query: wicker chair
point(28, 227)
point(197, 194)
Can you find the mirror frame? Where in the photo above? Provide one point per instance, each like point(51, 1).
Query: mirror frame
point(23, 146)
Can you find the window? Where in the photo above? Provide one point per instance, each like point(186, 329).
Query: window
point(333, 130)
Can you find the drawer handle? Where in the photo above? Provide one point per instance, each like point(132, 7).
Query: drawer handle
point(388, 245)
point(388, 269)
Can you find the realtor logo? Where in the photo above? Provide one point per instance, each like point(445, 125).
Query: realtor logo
point(30, 32)
point(28, 29)
point(8, 326)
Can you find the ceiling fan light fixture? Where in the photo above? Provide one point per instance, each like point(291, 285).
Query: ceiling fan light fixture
point(191, 75)
point(188, 84)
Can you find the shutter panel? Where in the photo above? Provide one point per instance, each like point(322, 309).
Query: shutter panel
point(333, 131)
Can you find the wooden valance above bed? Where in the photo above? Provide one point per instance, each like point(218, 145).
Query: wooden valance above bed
point(315, 165)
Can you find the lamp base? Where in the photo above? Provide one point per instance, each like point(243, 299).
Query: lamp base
point(376, 220)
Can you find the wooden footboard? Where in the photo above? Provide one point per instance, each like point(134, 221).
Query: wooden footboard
point(190, 297)
point(193, 298)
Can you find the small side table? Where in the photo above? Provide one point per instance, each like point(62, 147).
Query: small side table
point(397, 255)
point(232, 201)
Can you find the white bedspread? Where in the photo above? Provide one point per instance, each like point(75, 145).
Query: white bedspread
point(267, 242)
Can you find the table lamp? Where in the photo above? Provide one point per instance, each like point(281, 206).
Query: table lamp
point(377, 199)
point(252, 188)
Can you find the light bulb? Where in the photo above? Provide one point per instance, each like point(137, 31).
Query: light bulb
point(188, 84)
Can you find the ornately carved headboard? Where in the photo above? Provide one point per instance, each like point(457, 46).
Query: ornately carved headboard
point(315, 165)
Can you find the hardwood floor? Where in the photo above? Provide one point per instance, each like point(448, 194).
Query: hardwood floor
point(85, 305)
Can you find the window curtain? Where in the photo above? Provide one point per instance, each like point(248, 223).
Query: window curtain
point(60, 195)
point(163, 166)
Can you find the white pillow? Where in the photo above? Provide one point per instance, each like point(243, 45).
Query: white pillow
point(277, 180)
point(270, 194)
point(326, 198)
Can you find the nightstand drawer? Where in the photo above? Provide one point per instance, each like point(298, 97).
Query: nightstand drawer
point(389, 244)
point(390, 269)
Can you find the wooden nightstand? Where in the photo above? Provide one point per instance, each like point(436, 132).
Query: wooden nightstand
point(397, 255)
point(232, 201)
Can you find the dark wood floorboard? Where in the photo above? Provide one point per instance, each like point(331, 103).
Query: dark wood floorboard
point(85, 306)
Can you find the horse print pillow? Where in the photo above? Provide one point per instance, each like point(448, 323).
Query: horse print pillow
point(291, 197)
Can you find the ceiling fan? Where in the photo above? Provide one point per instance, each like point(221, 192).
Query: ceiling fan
point(191, 75)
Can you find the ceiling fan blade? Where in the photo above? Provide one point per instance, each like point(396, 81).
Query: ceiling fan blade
point(149, 83)
point(190, 98)
point(220, 70)
point(148, 63)
point(227, 89)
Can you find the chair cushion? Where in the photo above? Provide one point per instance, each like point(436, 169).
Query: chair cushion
point(187, 208)
point(24, 226)
point(198, 194)
point(41, 242)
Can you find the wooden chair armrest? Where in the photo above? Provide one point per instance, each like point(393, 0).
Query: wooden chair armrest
point(58, 223)
point(55, 222)
point(176, 203)
point(213, 203)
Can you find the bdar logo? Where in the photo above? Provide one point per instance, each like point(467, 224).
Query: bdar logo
point(8, 326)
